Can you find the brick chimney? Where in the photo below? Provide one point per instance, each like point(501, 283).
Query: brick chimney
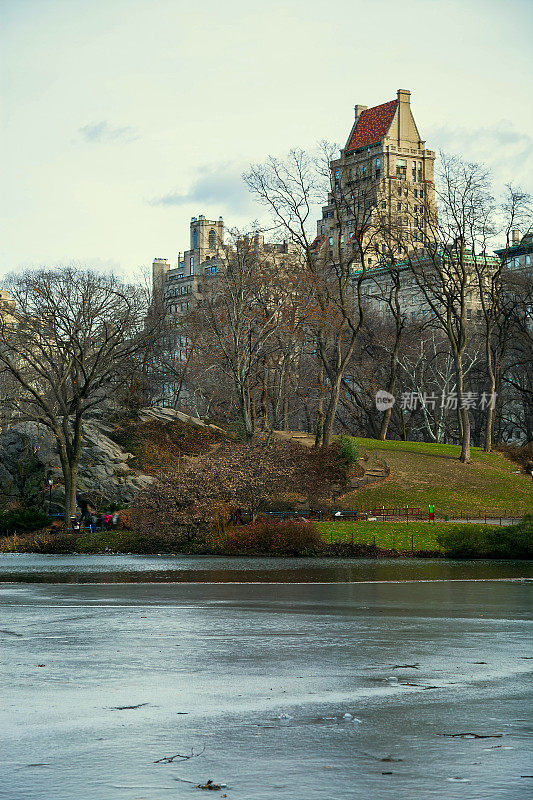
point(404, 113)
point(404, 96)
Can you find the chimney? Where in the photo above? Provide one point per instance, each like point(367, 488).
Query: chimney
point(359, 110)
point(404, 114)
point(160, 267)
point(404, 96)
point(515, 237)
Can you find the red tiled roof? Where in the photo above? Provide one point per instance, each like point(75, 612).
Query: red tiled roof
point(372, 125)
point(317, 243)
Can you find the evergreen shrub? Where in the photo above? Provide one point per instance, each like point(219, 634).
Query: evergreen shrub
point(23, 519)
point(477, 541)
point(348, 449)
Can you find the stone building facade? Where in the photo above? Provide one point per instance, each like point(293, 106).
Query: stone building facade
point(519, 256)
point(382, 200)
point(382, 179)
point(176, 289)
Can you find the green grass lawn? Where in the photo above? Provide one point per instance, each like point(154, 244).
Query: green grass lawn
point(391, 535)
point(431, 474)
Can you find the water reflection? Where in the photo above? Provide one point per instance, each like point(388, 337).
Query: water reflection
point(26, 568)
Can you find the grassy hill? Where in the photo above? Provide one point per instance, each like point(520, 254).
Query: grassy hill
point(421, 474)
point(424, 474)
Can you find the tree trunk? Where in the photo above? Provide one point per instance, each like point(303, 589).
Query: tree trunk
point(319, 428)
point(391, 386)
point(385, 424)
point(70, 476)
point(253, 415)
point(487, 444)
point(404, 429)
point(463, 414)
point(244, 401)
point(264, 399)
point(331, 412)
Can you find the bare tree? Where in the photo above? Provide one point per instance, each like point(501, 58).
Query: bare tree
point(72, 339)
point(455, 251)
point(517, 370)
point(238, 315)
point(496, 301)
point(290, 188)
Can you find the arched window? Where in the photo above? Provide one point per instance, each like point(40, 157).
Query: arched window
point(212, 240)
point(195, 238)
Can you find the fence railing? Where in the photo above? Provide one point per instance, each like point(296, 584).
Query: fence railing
point(410, 539)
point(400, 514)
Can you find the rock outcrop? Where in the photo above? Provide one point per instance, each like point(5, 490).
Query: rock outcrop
point(28, 457)
point(170, 415)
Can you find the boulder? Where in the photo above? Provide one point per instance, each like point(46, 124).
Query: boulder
point(104, 470)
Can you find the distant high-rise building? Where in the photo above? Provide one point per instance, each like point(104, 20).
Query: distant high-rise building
point(177, 289)
point(383, 179)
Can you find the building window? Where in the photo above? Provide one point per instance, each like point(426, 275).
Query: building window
point(212, 240)
point(420, 172)
point(401, 169)
point(399, 191)
point(398, 206)
point(421, 191)
point(192, 265)
point(323, 229)
point(528, 260)
point(195, 238)
point(330, 241)
point(342, 238)
point(378, 168)
point(415, 192)
point(383, 204)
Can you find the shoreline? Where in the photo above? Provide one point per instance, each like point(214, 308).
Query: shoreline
point(335, 553)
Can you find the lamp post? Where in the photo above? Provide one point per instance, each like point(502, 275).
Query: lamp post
point(50, 484)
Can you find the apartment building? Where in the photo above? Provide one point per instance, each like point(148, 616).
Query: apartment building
point(381, 182)
point(176, 289)
point(382, 209)
point(380, 283)
point(520, 254)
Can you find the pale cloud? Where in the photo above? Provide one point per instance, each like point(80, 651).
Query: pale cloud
point(125, 112)
point(104, 133)
point(221, 185)
point(505, 149)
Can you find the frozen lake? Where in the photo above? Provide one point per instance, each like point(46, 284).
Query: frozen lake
point(243, 661)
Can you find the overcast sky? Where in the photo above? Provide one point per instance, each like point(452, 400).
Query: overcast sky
point(124, 118)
